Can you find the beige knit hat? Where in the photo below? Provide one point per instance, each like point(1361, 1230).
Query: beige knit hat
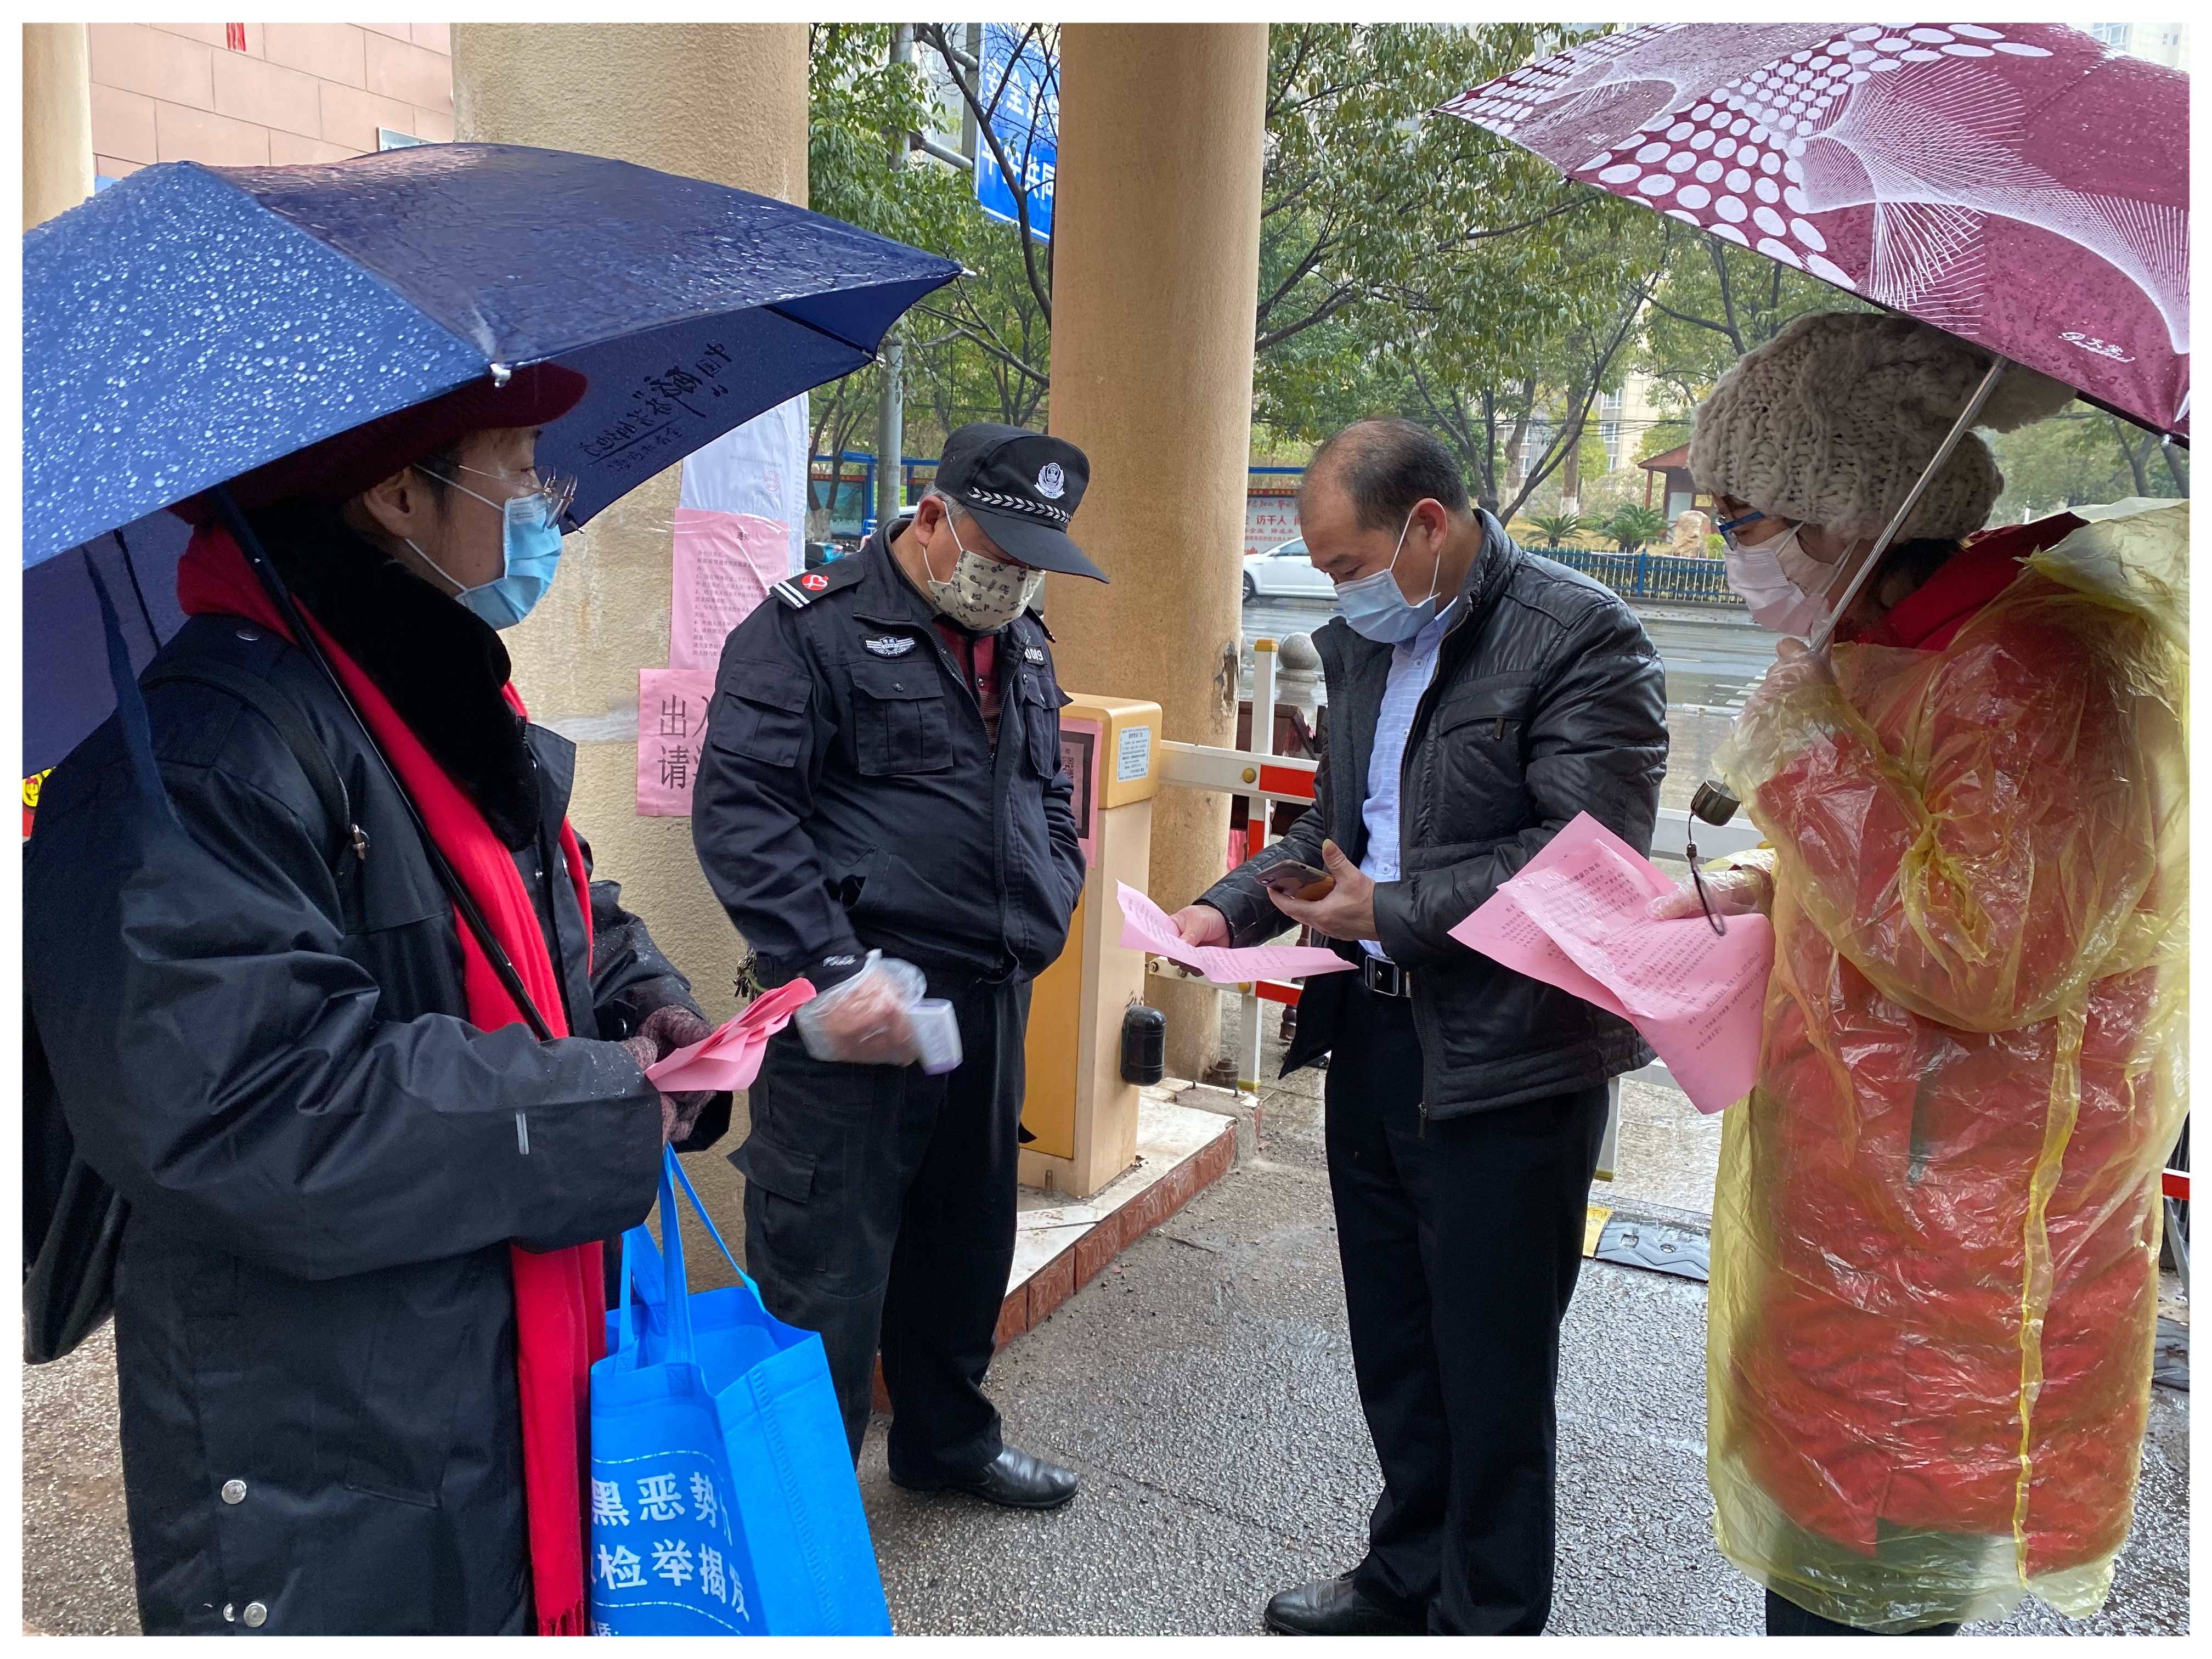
point(1835, 419)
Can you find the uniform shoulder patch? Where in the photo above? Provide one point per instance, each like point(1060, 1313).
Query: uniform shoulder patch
point(800, 591)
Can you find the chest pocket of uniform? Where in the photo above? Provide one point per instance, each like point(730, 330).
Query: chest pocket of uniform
point(764, 720)
point(377, 894)
point(900, 720)
point(1041, 701)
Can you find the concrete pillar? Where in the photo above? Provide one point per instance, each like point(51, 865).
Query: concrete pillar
point(1155, 278)
point(57, 120)
point(722, 101)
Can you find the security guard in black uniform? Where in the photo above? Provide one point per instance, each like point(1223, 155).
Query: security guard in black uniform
point(882, 777)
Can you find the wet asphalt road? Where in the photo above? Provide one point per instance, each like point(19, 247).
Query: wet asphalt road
point(1712, 657)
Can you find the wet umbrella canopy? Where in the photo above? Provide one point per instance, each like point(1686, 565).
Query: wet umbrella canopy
point(2014, 184)
point(190, 323)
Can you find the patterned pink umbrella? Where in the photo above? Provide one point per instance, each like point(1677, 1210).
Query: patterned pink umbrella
point(2014, 184)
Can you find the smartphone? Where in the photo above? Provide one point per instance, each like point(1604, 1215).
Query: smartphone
point(1294, 879)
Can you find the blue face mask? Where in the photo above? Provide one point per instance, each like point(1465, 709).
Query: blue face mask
point(530, 541)
point(1374, 608)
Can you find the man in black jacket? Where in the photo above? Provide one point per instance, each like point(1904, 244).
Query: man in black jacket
point(1479, 699)
point(882, 779)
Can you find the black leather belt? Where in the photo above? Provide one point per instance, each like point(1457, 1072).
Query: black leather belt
point(1385, 977)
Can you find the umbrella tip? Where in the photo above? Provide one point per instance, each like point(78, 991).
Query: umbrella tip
point(501, 374)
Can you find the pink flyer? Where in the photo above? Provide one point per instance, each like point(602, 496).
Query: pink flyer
point(724, 564)
point(730, 1056)
point(1575, 918)
point(672, 730)
point(1146, 927)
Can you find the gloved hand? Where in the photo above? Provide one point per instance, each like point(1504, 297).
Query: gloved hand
point(674, 1027)
point(661, 1034)
point(1737, 891)
point(862, 1021)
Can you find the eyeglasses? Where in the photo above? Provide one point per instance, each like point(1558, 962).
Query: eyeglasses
point(556, 490)
point(1728, 524)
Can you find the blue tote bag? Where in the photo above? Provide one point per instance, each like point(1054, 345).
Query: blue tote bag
point(715, 1428)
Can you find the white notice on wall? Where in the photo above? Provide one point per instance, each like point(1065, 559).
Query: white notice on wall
point(1133, 758)
point(758, 469)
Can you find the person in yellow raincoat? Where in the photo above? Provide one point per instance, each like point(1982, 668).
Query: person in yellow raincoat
point(1936, 1232)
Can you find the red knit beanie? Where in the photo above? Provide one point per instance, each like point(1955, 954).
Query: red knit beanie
point(345, 464)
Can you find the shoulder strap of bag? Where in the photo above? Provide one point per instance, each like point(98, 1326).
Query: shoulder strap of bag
point(282, 713)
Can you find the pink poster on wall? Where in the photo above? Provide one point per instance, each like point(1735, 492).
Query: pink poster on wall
point(724, 564)
point(1269, 521)
point(672, 730)
point(737, 531)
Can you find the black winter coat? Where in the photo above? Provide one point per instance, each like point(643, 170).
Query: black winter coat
point(257, 1039)
point(850, 798)
point(1547, 701)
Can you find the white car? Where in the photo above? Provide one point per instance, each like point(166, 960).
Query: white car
point(1285, 571)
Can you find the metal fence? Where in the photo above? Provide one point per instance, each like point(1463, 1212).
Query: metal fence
point(1666, 577)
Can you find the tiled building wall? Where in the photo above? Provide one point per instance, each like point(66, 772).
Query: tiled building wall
point(298, 92)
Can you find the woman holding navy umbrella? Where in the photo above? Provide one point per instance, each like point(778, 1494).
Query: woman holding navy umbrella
point(350, 1400)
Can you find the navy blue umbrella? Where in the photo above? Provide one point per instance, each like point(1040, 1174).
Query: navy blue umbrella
point(189, 324)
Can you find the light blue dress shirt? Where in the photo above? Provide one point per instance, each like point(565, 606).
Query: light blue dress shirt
point(1412, 666)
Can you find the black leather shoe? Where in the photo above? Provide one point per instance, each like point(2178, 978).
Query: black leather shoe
point(1334, 1606)
point(1014, 1479)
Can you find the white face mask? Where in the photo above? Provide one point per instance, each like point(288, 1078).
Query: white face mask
point(1786, 587)
point(982, 593)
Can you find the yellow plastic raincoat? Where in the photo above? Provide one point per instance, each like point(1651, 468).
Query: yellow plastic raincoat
point(1935, 1232)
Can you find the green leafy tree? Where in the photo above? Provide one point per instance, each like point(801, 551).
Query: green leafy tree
point(1508, 366)
point(859, 169)
point(991, 356)
point(1716, 302)
point(979, 347)
point(1558, 529)
point(1418, 264)
point(860, 104)
point(1633, 528)
point(2079, 456)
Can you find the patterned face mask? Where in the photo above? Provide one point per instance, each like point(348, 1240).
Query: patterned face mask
point(982, 593)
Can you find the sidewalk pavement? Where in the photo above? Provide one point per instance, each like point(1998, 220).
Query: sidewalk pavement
point(1203, 1387)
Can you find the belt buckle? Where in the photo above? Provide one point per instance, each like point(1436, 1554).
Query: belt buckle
point(1384, 977)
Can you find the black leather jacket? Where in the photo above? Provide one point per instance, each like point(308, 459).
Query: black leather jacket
point(1547, 701)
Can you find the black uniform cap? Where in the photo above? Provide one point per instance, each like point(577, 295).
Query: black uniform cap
point(1024, 487)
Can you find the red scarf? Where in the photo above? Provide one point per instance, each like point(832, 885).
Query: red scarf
point(1930, 618)
point(560, 1296)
